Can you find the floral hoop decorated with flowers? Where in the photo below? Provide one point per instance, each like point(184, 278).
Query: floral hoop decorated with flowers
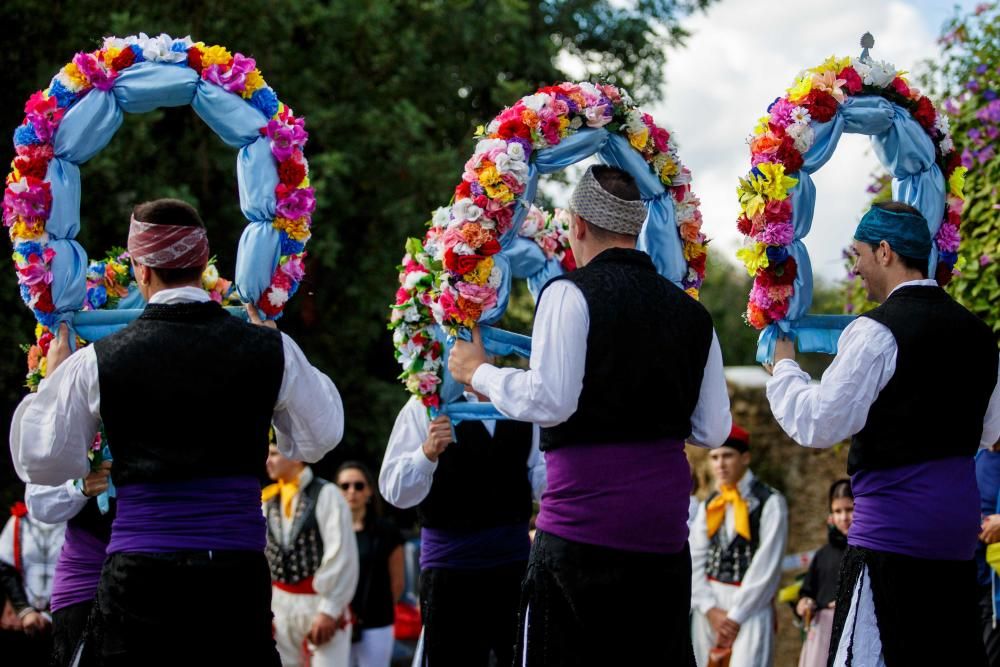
point(77, 115)
point(460, 275)
point(777, 197)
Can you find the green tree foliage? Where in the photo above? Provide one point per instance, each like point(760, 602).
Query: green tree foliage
point(392, 91)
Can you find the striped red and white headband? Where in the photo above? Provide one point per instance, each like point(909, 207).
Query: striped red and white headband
point(167, 246)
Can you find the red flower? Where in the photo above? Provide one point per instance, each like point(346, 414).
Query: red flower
point(942, 274)
point(514, 128)
point(282, 280)
point(788, 155)
point(569, 260)
point(852, 80)
point(698, 264)
point(776, 211)
point(44, 303)
point(44, 341)
point(35, 168)
point(821, 105)
point(194, 60)
point(432, 401)
point(19, 509)
point(126, 58)
point(900, 87)
point(491, 247)
point(462, 191)
point(744, 225)
point(953, 163)
point(291, 172)
point(264, 303)
point(461, 264)
point(782, 274)
point(925, 113)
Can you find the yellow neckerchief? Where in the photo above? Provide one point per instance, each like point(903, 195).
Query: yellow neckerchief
point(728, 495)
point(287, 490)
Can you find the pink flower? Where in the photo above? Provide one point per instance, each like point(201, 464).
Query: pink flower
point(448, 303)
point(286, 137)
point(34, 272)
point(759, 297)
point(44, 115)
point(294, 203)
point(781, 233)
point(611, 92)
point(985, 260)
point(235, 78)
point(100, 77)
point(948, 238)
point(28, 198)
point(483, 295)
point(428, 382)
point(294, 268)
point(781, 112)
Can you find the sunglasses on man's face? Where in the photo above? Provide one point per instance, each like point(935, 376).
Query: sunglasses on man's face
point(358, 486)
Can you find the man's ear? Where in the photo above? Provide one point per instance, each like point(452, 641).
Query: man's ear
point(578, 228)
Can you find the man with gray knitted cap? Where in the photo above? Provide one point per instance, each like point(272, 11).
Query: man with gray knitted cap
point(624, 368)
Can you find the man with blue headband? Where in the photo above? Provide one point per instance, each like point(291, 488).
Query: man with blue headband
point(914, 385)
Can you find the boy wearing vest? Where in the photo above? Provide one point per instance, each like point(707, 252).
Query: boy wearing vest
point(313, 558)
point(473, 493)
point(915, 430)
point(737, 542)
point(625, 366)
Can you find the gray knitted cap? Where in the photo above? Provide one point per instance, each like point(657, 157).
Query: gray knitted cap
point(599, 207)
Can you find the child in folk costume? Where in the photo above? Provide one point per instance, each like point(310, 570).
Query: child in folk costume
point(819, 589)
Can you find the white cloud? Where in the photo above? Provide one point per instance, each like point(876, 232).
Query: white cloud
point(739, 58)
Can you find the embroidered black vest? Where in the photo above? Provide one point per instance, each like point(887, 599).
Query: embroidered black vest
point(647, 345)
point(728, 563)
point(924, 412)
point(301, 557)
point(163, 379)
point(481, 481)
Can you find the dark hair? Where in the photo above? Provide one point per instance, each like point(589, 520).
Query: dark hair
point(179, 214)
point(912, 263)
point(617, 182)
point(840, 489)
point(370, 480)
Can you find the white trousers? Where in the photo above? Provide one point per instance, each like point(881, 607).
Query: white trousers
point(754, 645)
point(293, 616)
point(862, 627)
point(374, 649)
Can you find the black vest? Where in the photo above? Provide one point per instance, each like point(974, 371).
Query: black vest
point(728, 563)
point(934, 404)
point(481, 482)
point(304, 553)
point(91, 520)
point(176, 367)
point(647, 346)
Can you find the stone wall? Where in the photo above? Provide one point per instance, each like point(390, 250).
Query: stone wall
point(802, 475)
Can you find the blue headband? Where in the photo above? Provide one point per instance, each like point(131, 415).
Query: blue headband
point(906, 233)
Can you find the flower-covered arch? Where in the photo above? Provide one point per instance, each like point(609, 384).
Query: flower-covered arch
point(77, 115)
point(777, 198)
point(460, 274)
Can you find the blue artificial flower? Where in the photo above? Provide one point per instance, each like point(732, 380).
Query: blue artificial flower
point(64, 97)
point(45, 319)
point(266, 100)
point(777, 254)
point(757, 172)
point(25, 135)
point(28, 248)
point(290, 246)
point(96, 269)
point(137, 50)
point(948, 258)
point(294, 288)
point(97, 296)
point(25, 293)
point(771, 105)
point(178, 47)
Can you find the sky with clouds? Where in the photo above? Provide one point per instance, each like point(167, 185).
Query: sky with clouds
point(739, 58)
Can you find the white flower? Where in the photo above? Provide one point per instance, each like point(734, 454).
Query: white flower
point(398, 336)
point(438, 312)
point(800, 116)
point(277, 296)
point(576, 123)
point(411, 314)
point(210, 277)
point(942, 123)
point(441, 217)
point(487, 223)
point(802, 135)
point(947, 145)
point(493, 126)
point(589, 89)
point(633, 122)
point(537, 101)
point(463, 249)
point(495, 278)
point(115, 43)
point(876, 73)
point(465, 209)
point(515, 151)
point(596, 117)
point(159, 49)
point(486, 145)
point(412, 278)
point(505, 164)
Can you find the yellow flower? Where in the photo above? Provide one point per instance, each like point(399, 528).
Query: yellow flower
point(43, 366)
point(692, 250)
point(763, 125)
point(27, 229)
point(753, 257)
point(693, 293)
point(216, 55)
point(296, 229)
point(639, 139)
point(110, 54)
point(499, 192)
point(956, 182)
point(563, 125)
point(801, 89)
point(668, 171)
point(254, 82)
point(76, 78)
point(489, 176)
point(480, 274)
point(39, 330)
point(832, 64)
point(776, 183)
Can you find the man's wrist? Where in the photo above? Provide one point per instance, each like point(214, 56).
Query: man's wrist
point(25, 611)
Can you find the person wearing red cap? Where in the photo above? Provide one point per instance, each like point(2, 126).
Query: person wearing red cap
point(737, 541)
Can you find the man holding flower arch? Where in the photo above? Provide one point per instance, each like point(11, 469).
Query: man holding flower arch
point(624, 368)
point(908, 574)
point(188, 512)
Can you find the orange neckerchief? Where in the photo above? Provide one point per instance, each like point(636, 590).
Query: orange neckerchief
point(728, 495)
point(287, 490)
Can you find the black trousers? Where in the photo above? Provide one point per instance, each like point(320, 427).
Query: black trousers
point(469, 614)
point(991, 635)
point(927, 610)
point(183, 608)
point(68, 627)
point(589, 605)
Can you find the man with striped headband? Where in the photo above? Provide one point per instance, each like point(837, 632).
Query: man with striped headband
point(624, 368)
point(188, 520)
point(914, 386)
point(737, 541)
